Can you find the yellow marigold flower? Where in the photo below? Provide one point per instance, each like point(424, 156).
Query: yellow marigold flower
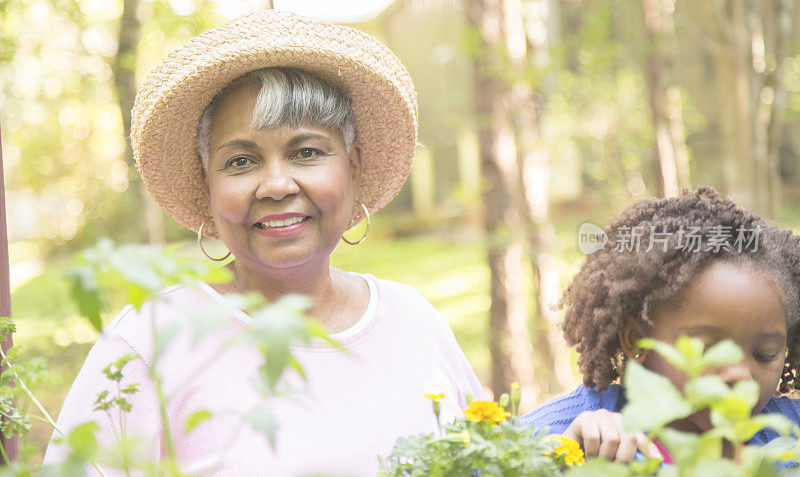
point(434, 397)
point(569, 449)
point(486, 411)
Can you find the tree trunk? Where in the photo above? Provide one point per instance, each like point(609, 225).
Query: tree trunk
point(750, 57)
point(509, 339)
point(10, 445)
point(734, 79)
point(124, 69)
point(775, 90)
point(665, 97)
point(554, 371)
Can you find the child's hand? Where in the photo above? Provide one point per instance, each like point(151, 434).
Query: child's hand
point(601, 433)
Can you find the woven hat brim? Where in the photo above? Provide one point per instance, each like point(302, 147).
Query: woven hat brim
point(172, 98)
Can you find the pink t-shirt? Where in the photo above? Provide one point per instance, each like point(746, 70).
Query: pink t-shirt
point(355, 402)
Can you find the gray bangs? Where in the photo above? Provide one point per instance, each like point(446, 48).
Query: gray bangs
point(287, 96)
point(295, 98)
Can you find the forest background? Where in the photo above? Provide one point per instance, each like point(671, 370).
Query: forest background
point(536, 116)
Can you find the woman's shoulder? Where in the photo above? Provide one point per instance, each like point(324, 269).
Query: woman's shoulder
point(170, 307)
point(394, 293)
point(557, 414)
point(168, 300)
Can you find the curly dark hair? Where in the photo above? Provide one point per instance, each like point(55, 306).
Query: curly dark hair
point(621, 281)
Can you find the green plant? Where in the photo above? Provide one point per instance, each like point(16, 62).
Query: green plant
point(140, 273)
point(486, 441)
point(653, 402)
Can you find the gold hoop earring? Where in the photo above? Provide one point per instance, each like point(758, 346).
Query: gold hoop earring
point(200, 243)
point(366, 214)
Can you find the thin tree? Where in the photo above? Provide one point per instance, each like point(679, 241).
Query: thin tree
point(124, 69)
point(10, 445)
point(504, 220)
point(665, 96)
point(750, 51)
point(526, 53)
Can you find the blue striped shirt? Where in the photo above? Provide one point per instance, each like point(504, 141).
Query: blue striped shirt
point(559, 413)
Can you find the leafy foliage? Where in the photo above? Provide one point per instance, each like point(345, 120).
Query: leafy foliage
point(653, 402)
point(487, 441)
point(140, 273)
point(139, 270)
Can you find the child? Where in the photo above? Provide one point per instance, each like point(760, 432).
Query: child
point(699, 265)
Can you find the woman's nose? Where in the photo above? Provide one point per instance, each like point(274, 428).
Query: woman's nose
point(276, 181)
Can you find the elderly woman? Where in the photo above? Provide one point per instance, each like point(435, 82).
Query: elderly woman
point(275, 133)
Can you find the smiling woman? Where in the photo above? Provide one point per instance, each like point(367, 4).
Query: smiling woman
point(275, 134)
point(281, 195)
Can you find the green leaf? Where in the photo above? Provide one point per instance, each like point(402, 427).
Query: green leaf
point(784, 449)
point(645, 467)
point(748, 391)
point(653, 400)
point(72, 467)
point(123, 404)
point(737, 405)
point(705, 390)
point(137, 296)
point(275, 328)
point(793, 471)
point(210, 319)
point(668, 352)
point(777, 422)
point(722, 353)
point(88, 296)
point(196, 418)
point(83, 442)
point(163, 338)
point(691, 348)
point(114, 370)
point(133, 264)
point(7, 326)
point(264, 422)
point(759, 461)
point(668, 471)
point(597, 467)
point(718, 467)
point(681, 445)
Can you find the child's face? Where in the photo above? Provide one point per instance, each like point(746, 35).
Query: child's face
point(726, 301)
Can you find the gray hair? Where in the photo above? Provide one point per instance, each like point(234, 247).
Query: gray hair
point(286, 96)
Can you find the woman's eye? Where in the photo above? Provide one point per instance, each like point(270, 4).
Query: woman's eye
point(307, 153)
point(239, 161)
point(765, 356)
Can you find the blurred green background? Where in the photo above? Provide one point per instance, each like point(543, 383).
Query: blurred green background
point(572, 109)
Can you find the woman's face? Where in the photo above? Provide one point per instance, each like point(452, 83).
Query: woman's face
point(726, 301)
point(280, 198)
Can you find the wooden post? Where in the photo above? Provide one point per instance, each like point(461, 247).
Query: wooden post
point(10, 445)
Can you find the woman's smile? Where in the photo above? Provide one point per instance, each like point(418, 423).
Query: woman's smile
point(282, 225)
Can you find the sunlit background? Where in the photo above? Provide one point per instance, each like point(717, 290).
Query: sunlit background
point(590, 97)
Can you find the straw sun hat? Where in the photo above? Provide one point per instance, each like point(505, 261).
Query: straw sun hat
point(173, 96)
